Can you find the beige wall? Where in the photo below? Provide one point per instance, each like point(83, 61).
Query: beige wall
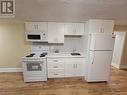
point(120, 28)
point(12, 44)
point(124, 55)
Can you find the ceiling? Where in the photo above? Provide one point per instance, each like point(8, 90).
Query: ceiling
point(71, 10)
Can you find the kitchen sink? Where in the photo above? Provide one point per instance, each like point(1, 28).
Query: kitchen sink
point(75, 54)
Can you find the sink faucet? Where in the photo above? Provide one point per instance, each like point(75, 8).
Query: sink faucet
point(74, 50)
point(56, 51)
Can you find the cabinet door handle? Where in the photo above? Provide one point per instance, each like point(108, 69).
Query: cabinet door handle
point(35, 27)
point(55, 60)
point(55, 74)
point(73, 65)
point(55, 67)
point(103, 30)
point(100, 30)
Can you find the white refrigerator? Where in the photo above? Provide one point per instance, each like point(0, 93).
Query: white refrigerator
point(100, 57)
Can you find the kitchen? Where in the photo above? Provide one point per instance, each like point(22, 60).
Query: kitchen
point(21, 47)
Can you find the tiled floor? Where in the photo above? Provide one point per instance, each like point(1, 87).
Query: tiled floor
point(12, 84)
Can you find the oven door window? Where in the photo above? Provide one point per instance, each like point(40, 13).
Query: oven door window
point(34, 67)
point(36, 37)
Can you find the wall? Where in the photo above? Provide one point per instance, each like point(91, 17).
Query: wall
point(123, 61)
point(120, 28)
point(118, 48)
point(124, 55)
point(12, 44)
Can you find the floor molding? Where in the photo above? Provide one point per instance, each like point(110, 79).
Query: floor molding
point(123, 66)
point(115, 65)
point(10, 69)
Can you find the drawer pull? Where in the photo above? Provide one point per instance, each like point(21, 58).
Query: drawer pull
point(55, 67)
point(55, 60)
point(55, 74)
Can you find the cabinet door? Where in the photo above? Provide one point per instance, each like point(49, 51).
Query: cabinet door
point(80, 29)
point(69, 29)
point(69, 69)
point(95, 26)
point(79, 69)
point(42, 26)
point(36, 26)
point(74, 67)
point(74, 29)
point(101, 26)
point(107, 26)
point(55, 32)
point(30, 26)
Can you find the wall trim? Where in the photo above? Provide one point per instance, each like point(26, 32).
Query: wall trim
point(11, 70)
point(116, 65)
point(123, 66)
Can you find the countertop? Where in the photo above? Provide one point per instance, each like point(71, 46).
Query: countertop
point(51, 55)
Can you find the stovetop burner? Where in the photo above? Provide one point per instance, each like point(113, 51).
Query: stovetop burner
point(37, 55)
point(30, 55)
point(43, 54)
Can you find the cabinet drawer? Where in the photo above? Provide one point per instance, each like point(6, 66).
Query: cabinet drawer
point(55, 65)
point(55, 73)
point(55, 60)
point(75, 60)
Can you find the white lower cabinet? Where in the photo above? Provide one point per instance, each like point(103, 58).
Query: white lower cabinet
point(55, 67)
point(55, 73)
point(74, 67)
point(65, 67)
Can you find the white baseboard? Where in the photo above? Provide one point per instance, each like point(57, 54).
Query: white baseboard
point(115, 65)
point(123, 66)
point(11, 70)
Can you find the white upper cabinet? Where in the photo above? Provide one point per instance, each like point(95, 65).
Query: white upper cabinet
point(99, 26)
point(36, 26)
point(55, 32)
point(74, 29)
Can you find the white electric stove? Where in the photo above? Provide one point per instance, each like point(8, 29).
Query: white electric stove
point(34, 66)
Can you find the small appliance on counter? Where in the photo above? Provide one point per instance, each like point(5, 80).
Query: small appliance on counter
point(34, 65)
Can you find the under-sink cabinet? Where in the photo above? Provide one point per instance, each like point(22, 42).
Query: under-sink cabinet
point(74, 67)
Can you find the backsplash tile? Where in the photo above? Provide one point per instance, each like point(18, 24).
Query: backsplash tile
point(70, 44)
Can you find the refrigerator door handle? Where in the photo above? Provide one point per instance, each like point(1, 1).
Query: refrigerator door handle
point(93, 58)
point(93, 61)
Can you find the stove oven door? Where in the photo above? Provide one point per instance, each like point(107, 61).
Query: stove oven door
point(34, 68)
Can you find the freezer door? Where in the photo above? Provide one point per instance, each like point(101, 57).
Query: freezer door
point(99, 66)
point(102, 42)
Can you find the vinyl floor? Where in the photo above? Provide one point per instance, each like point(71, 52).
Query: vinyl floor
point(12, 84)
